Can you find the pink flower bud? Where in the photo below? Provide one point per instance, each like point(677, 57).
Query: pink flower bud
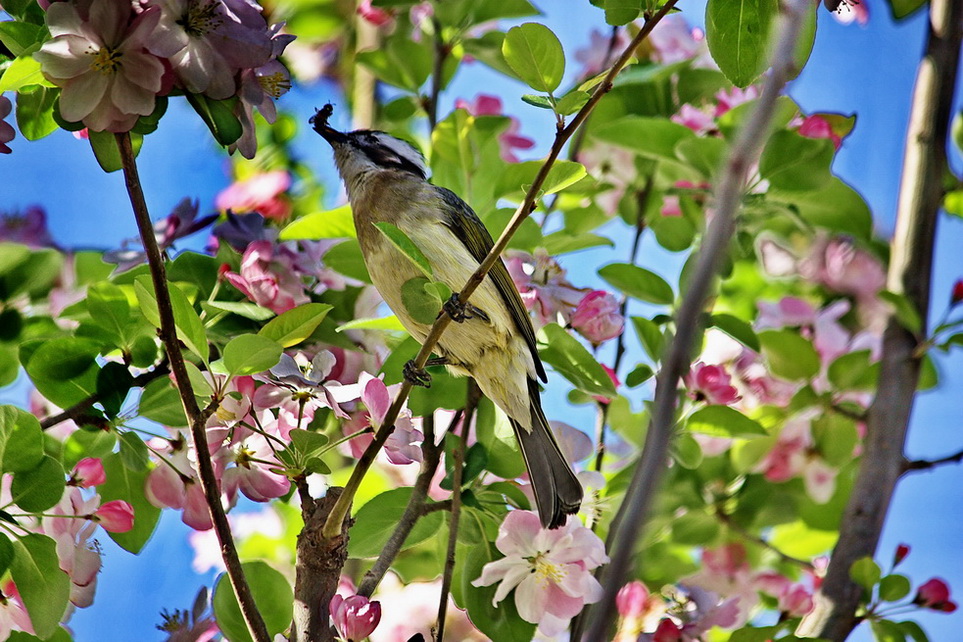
point(615, 381)
point(671, 206)
point(88, 472)
point(935, 594)
point(597, 317)
point(374, 15)
point(116, 516)
point(631, 599)
point(355, 617)
point(711, 384)
point(901, 552)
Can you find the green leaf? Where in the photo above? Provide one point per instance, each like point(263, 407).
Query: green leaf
point(621, 12)
point(913, 630)
point(650, 336)
point(789, 355)
point(537, 100)
point(21, 440)
point(296, 325)
point(903, 8)
point(19, 37)
point(190, 328)
point(495, 434)
point(22, 72)
point(39, 488)
point(737, 33)
point(638, 283)
point(64, 369)
point(6, 553)
point(104, 145)
point(571, 102)
point(244, 309)
point(35, 109)
point(128, 485)
point(306, 442)
point(836, 206)
point(161, 402)
point(953, 202)
point(737, 329)
point(793, 162)
point(535, 55)
point(249, 354)
point(43, 587)
point(639, 375)
point(723, 421)
point(421, 303)
point(219, 117)
point(562, 242)
point(865, 572)
point(109, 308)
point(652, 137)
point(332, 224)
point(574, 362)
point(518, 177)
point(388, 323)
point(702, 154)
point(272, 594)
point(133, 451)
point(376, 520)
point(854, 371)
point(500, 622)
point(33, 276)
point(695, 528)
point(886, 631)
point(687, 451)
point(407, 247)
point(401, 62)
point(894, 587)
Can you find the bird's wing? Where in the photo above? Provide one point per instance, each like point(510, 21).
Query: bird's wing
point(466, 225)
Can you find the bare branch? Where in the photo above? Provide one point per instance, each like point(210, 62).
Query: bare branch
point(918, 465)
point(627, 525)
point(197, 417)
point(910, 269)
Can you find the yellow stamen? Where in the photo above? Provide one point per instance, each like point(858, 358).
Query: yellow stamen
point(275, 84)
point(106, 61)
point(547, 571)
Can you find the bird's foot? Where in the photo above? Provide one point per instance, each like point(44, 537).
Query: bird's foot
point(416, 376)
point(461, 312)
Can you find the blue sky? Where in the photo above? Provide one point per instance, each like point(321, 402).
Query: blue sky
point(869, 71)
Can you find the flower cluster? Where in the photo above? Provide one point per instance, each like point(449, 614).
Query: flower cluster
point(510, 139)
point(550, 570)
point(545, 290)
point(112, 59)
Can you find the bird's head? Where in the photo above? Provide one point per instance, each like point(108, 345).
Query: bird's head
point(362, 151)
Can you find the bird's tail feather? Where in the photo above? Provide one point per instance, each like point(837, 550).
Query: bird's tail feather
point(558, 492)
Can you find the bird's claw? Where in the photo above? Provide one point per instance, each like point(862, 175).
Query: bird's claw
point(416, 376)
point(461, 312)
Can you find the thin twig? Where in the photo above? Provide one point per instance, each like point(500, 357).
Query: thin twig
point(917, 465)
point(627, 525)
point(910, 270)
point(756, 539)
point(340, 511)
point(196, 417)
point(471, 404)
point(78, 412)
point(431, 455)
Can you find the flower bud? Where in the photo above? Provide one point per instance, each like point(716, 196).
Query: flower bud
point(901, 552)
point(631, 599)
point(116, 516)
point(88, 472)
point(935, 594)
point(355, 617)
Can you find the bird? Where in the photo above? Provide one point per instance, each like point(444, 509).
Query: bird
point(492, 339)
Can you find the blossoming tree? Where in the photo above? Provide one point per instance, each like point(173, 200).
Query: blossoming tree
point(750, 410)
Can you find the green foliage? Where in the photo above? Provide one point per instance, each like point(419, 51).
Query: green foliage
point(43, 587)
point(21, 440)
point(128, 484)
point(500, 622)
point(376, 521)
point(407, 247)
point(331, 224)
point(272, 595)
point(722, 421)
point(249, 354)
point(737, 34)
point(535, 55)
point(639, 283)
point(573, 361)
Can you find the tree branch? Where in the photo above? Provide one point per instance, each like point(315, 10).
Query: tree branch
point(924, 163)
point(431, 455)
point(627, 525)
point(333, 527)
point(196, 417)
point(78, 412)
point(471, 404)
point(918, 465)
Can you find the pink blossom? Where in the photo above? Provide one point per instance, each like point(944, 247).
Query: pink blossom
point(729, 99)
point(671, 206)
point(631, 599)
point(788, 312)
point(88, 472)
point(796, 600)
point(674, 40)
point(296, 382)
point(615, 382)
point(355, 617)
point(711, 384)
point(376, 16)
point(550, 570)
point(7, 132)
point(597, 317)
point(849, 11)
point(542, 284)
point(259, 88)
point(256, 472)
point(487, 105)
point(695, 119)
point(402, 446)
point(842, 266)
point(116, 516)
point(640, 611)
point(106, 76)
point(207, 41)
point(901, 552)
point(267, 279)
point(614, 167)
point(816, 126)
point(27, 228)
point(935, 594)
point(261, 193)
point(13, 615)
point(596, 56)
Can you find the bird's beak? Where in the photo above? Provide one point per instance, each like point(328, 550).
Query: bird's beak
point(320, 123)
